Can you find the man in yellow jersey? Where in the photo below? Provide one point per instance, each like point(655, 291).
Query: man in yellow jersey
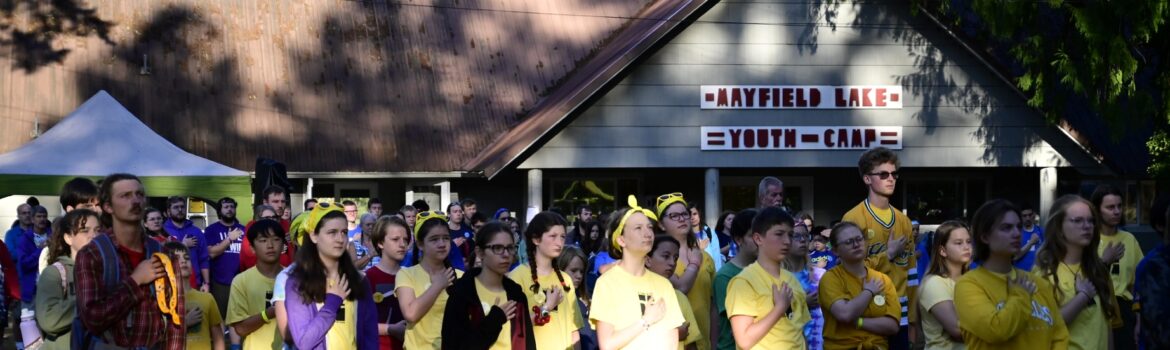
point(888, 234)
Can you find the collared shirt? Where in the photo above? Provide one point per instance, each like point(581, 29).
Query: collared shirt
point(129, 311)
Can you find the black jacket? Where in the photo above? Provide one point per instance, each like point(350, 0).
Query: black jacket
point(465, 327)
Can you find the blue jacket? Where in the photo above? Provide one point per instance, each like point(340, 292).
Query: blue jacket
point(200, 259)
point(28, 258)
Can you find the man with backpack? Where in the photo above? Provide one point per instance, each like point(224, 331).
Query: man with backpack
point(116, 302)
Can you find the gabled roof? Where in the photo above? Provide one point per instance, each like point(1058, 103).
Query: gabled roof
point(653, 26)
point(100, 138)
point(334, 86)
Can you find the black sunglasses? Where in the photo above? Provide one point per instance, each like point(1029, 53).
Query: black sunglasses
point(885, 174)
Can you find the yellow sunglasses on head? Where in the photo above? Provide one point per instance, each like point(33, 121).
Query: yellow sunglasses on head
point(664, 201)
point(422, 217)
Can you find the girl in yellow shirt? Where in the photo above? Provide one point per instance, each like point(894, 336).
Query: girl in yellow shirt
point(662, 260)
point(694, 274)
point(422, 288)
point(861, 303)
point(950, 256)
point(550, 292)
point(1068, 259)
point(632, 307)
point(999, 306)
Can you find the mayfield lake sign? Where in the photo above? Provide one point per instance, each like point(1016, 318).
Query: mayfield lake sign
point(800, 97)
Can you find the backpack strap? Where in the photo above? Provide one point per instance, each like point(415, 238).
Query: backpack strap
point(64, 277)
point(111, 266)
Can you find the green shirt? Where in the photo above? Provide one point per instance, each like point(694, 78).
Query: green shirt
point(56, 308)
point(722, 278)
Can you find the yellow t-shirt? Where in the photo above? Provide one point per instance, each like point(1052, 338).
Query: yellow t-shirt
point(1090, 329)
point(837, 285)
point(618, 294)
point(688, 315)
point(1123, 271)
point(700, 295)
point(199, 335)
point(424, 334)
point(903, 270)
point(750, 294)
point(936, 289)
point(563, 321)
point(343, 333)
point(993, 316)
point(251, 294)
point(487, 299)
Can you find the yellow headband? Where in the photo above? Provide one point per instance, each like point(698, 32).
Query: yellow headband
point(664, 201)
point(423, 216)
point(315, 216)
point(634, 208)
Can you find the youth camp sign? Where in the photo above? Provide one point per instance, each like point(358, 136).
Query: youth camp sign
point(800, 97)
point(761, 138)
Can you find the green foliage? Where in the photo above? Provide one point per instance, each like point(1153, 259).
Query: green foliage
point(1086, 48)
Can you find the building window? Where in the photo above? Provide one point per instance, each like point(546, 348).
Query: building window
point(601, 194)
point(932, 202)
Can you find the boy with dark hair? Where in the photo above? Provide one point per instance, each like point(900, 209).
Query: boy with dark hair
point(765, 302)
point(741, 227)
point(201, 306)
point(250, 311)
point(224, 239)
point(310, 203)
point(1033, 236)
point(470, 208)
point(888, 234)
point(79, 193)
point(374, 207)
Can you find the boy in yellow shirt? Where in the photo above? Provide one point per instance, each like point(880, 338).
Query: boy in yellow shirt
point(888, 234)
point(203, 321)
point(662, 260)
point(766, 303)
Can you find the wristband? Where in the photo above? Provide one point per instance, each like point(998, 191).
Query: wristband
point(859, 322)
point(234, 347)
point(264, 316)
point(863, 290)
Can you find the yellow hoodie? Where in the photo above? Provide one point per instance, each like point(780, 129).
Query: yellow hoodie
point(994, 316)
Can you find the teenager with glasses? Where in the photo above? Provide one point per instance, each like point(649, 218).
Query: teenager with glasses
point(549, 292)
point(798, 263)
point(422, 288)
point(999, 306)
point(629, 286)
point(888, 234)
point(950, 250)
point(859, 301)
point(695, 272)
point(1079, 279)
point(486, 309)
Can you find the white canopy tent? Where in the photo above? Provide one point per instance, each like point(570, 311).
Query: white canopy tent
point(101, 137)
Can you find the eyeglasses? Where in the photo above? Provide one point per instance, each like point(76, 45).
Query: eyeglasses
point(885, 174)
point(679, 216)
point(502, 249)
point(1081, 221)
point(855, 241)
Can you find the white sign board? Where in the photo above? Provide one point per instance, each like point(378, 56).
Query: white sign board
point(800, 97)
point(760, 138)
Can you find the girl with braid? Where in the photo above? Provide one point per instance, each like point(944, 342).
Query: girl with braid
point(550, 291)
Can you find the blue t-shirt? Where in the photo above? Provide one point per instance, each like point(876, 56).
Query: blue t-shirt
point(828, 257)
point(199, 257)
point(225, 266)
point(1029, 259)
point(1151, 284)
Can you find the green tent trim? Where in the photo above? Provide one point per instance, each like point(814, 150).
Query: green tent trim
point(207, 188)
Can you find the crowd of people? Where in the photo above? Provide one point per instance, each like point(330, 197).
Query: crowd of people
point(113, 273)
